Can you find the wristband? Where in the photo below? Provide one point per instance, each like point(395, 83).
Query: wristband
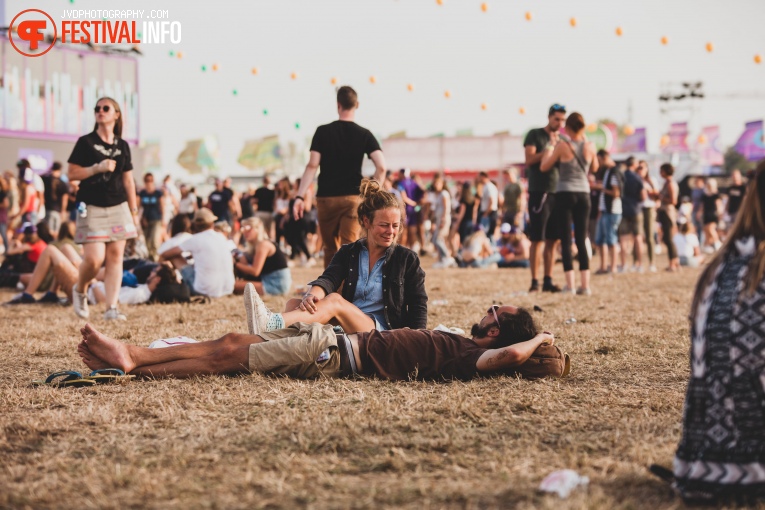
point(308, 294)
point(300, 198)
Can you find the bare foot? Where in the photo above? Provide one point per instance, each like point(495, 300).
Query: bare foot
point(89, 359)
point(110, 351)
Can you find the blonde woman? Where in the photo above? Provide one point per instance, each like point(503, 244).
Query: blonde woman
point(263, 264)
point(107, 214)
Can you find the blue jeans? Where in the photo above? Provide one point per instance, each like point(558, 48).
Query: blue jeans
point(438, 242)
point(277, 283)
point(188, 275)
point(607, 233)
point(494, 258)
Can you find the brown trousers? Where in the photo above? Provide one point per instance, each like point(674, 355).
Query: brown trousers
point(338, 223)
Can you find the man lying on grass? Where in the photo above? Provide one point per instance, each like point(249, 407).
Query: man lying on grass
point(504, 341)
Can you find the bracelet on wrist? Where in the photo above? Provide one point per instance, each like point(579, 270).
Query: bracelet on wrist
point(299, 197)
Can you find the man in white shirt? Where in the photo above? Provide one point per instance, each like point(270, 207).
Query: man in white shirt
point(489, 205)
point(213, 271)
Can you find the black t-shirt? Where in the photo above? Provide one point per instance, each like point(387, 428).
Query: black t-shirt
point(540, 182)
point(106, 189)
point(55, 189)
point(219, 203)
point(709, 205)
point(265, 198)
point(342, 146)
point(403, 354)
point(735, 197)
point(150, 204)
point(246, 205)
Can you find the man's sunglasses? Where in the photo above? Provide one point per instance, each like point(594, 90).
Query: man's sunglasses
point(106, 108)
point(558, 108)
point(493, 310)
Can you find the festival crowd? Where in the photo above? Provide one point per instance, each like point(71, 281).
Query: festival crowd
point(93, 237)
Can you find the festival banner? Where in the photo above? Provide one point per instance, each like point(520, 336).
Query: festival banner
point(602, 136)
point(636, 142)
point(709, 146)
point(751, 143)
point(262, 154)
point(678, 138)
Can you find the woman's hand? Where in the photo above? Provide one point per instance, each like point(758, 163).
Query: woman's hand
point(107, 165)
point(308, 304)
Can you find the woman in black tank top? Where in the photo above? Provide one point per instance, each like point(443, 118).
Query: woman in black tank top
point(264, 265)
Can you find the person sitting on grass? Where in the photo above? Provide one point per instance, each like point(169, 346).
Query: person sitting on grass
point(263, 263)
point(502, 342)
point(513, 246)
point(383, 285)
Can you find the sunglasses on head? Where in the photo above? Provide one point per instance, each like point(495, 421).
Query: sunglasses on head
point(106, 108)
point(558, 108)
point(493, 310)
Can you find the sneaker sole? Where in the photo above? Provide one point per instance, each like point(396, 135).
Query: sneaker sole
point(250, 297)
point(566, 365)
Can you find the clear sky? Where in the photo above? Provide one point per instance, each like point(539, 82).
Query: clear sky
point(495, 57)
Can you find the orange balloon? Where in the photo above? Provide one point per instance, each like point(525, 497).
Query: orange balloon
point(528, 16)
point(628, 130)
point(702, 139)
point(410, 87)
point(294, 76)
point(215, 67)
point(664, 141)
point(372, 80)
point(572, 22)
point(484, 106)
point(447, 94)
point(665, 40)
point(591, 128)
point(333, 81)
point(179, 54)
point(254, 70)
point(522, 110)
point(758, 59)
point(710, 47)
point(484, 7)
point(440, 2)
point(619, 31)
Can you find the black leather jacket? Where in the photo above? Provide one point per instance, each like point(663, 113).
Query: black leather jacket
point(404, 296)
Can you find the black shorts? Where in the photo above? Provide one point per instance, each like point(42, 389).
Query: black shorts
point(541, 225)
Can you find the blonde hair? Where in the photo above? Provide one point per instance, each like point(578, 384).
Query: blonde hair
point(256, 224)
point(750, 221)
point(117, 130)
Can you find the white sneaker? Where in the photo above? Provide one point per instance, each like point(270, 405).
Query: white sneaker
point(652, 269)
point(80, 303)
point(112, 314)
point(257, 313)
point(567, 290)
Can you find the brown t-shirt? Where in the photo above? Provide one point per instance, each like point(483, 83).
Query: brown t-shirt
point(404, 354)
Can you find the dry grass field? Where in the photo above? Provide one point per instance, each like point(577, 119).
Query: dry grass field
point(261, 442)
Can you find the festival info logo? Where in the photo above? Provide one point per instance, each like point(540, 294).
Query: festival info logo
point(29, 27)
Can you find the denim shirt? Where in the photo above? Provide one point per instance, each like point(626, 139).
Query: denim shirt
point(369, 288)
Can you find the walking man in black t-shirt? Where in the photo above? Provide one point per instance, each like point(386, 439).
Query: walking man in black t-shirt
point(339, 149)
point(736, 193)
point(541, 187)
point(221, 202)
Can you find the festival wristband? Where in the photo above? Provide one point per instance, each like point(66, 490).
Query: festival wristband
point(300, 198)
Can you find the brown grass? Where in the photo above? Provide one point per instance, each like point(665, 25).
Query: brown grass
point(255, 442)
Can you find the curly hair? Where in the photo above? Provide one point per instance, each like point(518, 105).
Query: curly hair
point(373, 199)
point(515, 328)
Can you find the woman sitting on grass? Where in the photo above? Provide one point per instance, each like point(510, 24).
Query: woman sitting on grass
point(263, 264)
point(383, 285)
point(721, 453)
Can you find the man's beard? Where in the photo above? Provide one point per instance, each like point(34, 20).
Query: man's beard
point(480, 332)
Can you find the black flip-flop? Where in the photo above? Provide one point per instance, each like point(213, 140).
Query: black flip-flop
point(65, 378)
point(661, 472)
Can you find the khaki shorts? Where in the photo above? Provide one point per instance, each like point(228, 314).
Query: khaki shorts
point(105, 224)
point(294, 351)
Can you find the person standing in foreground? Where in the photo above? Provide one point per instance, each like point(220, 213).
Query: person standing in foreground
point(339, 149)
point(541, 185)
point(720, 455)
point(107, 215)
